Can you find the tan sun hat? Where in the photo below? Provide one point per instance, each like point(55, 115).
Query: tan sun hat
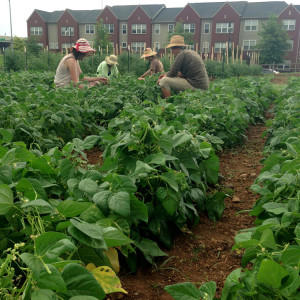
point(111, 60)
point(176, 41)
point(83, 46)
point(148, 52)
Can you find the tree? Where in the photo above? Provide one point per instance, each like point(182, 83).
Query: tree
point(102, 37)
point(273, 42)
point(32, 45)
point(179, 30)
point(19, 44)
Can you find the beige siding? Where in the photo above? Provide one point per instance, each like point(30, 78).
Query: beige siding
point(52, 33)
point(123, 38)
point(205, 37)
point(161, 38)
point(90, 37)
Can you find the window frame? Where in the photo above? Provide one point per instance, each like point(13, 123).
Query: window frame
point(36, 30)
point(124, 46)
point(203, 47)
point(157, 32)
point(251, 26)
point(68, 29)
point(169, 28)
point(224, 27)
point(204, 29)
point(288, 21)
point(139, 27)
point(124, 26)
point(110, 28)
point(187, 27)
point(249, 46)
point(89, 29)
point(290, 42)
point(138, 46)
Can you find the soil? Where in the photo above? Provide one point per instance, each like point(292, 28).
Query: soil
point(204, 254)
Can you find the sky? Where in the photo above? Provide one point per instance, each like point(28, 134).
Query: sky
point(22, 9)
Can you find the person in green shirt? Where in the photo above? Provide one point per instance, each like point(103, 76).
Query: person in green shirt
point(108, 68)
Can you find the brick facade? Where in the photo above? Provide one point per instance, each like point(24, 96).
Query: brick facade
point(67, 20)
point(35, 20)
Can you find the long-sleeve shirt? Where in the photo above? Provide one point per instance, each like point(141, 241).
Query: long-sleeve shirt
point(103, 70)
point(192, 68)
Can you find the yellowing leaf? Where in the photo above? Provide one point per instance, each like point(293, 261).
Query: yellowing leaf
point(112, 255)
point(90, 267)
point(108, 280)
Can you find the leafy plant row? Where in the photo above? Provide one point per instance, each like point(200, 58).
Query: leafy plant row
point(64, 222)
point(272, 247)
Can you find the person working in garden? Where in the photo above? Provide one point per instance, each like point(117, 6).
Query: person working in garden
point(68, 70)
point(156, 65)
point(186, 73)
point(108, 68)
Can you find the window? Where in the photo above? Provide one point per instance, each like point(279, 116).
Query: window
point(41, 45)
point(89, 29)
point(36, 30)
point(109, 28)
point(67, 31)
point(138, 28)
point(137, 46)
point(224, 27)
point(53, 46)
point(124, 45)
point(251, 25)
point(124, 28)
point(288, 24)
point(170, 28)
point(219, 46)
point(157, 28)
point(65, 45)
point(157, 46)
point(206, 28)
point(249, 45)
point(290, 45)
point(205, 48)
point(189, 28)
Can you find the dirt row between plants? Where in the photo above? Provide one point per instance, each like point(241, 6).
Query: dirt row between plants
point(205, 253)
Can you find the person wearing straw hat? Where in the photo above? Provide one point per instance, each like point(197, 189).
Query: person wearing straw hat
point(188, 71)
point(69, 71)
point(156, 65)
point(108, 68)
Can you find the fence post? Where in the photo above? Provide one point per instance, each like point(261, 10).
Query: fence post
point(4, 57)
point(25, 58)
point(128, 50)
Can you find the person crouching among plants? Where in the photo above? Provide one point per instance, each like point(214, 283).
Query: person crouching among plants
point(156, 65)
point(108, 68)
point(69, 71)
point(188, 71)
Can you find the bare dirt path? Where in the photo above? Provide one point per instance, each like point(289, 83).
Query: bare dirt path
point(205, 254)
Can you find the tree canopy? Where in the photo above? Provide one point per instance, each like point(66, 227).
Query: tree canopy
point(273, 43)
point(179, 30)
point(102, 37)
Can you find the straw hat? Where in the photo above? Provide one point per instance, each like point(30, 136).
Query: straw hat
point(111, 60)
point(83, 46)
point(176, 41)
point(148, 52)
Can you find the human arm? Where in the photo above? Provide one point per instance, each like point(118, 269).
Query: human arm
point(149, 72)
point(176, 66)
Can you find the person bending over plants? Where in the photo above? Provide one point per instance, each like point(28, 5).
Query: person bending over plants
point(108, 68)
point(156, 65)
point(188, 71)
point(68, 70)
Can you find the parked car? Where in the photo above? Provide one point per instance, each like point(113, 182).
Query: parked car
point(269, 71)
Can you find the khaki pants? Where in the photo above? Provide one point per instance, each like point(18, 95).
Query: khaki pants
point(175, 84)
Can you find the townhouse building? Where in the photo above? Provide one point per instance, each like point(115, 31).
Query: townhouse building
point(134, 27)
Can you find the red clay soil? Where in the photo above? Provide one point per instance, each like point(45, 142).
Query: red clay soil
point(205, 253)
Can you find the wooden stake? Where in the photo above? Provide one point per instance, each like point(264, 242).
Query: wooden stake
point(227, 52)
point(232, 54)
point(237, 53)
point(241, 58)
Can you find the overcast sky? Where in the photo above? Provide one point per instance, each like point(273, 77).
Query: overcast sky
point(22, 9)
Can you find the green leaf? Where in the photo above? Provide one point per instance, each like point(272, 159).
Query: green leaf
point(123, 183)
point(271, 273)
point(7, 134)
point(181, 138)
point(83, 298)
point(166, 143)
point(156, 159)
point(5, 174)
point(138, 210)
point(291, 257)
point(267, 239)
point(208, 290)
point(52, 245)
point(24, 186)
point(101, 200)
point(215, 205)
point(43, 295)
point(170, 178)
point(66, 170)
point(183, 291)
point(34, 263)
point(142, 167)
point(6, 199)
point(81, 282)
point(42, 206)
point(161, 193)
point(150, 249)
point(52, 281)
point(70, 208)
point(114, 237)
point(88, 234)
point(90, 141)
point(276, 208)
point(120, 204)
point(231, 283)
point(88, 186)
point(211, 167)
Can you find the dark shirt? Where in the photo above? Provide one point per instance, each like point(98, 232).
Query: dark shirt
point(192, 68)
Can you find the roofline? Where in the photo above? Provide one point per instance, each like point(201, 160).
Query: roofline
point(35, 10)
point(106, 6)
point(188, 4)
point(223, 6)
point(68, 10)
point(163, 6)
point(288, 5)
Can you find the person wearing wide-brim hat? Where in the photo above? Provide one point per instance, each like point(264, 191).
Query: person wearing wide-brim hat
point(186, 73)
point(156, 65)
point(68, 70)
point(108, 68)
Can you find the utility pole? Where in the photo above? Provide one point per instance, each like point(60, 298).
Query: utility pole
point(11, 36)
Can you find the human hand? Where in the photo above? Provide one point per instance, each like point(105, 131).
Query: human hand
point(103, 80)
point(141, 78)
